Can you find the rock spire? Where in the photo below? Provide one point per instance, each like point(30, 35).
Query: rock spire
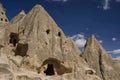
point(98, 59)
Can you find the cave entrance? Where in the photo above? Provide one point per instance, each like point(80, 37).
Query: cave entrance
point(50, 70)
point(21, 49)
point(53, 66)
point(14, 38)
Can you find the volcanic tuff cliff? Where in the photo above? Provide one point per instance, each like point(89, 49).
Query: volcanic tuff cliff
point(33, 47)
point(98, 59)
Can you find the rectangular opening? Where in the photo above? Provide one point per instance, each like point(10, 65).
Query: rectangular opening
point(21, 49)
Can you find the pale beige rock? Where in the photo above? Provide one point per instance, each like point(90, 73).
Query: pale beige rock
point(99, 59)
point(117, 65)
point(35, 48)
point(3, 18)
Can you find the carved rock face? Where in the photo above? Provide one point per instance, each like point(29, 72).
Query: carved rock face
point(37, 49)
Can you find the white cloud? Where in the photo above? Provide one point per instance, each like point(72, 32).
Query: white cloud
point(117, 51)
point(106, 4)
point(79, 39)
point(80, 42)
point(100, 41)
point(58, 0)
point(118, 58)
point(114, 39)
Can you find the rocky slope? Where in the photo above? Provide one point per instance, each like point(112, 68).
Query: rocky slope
point(98, 59)
point(117, 64)
point(33, 47)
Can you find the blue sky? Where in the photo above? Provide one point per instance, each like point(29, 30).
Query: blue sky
point(79, 19)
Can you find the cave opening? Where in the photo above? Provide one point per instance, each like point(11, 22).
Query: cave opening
point(1, 19)
point(48, 31)
point(6, 20)
point(2, 13)
point(50, 70)
point(59, 34)
point(21, 49)
point(14, 38)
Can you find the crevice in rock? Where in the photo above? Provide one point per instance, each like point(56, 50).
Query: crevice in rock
point(100, 65)
point(14, 38)
point(21, 49)
point(86, 60)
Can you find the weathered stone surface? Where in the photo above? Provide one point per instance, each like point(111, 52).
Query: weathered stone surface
point(98, 59)
point(3, 18)
point(117, 64)
point(35, 48)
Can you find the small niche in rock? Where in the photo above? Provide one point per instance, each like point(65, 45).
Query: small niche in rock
point(1, 46)
point(2, 13)
point(1, 19)
point(21, 49)
point(91, 72)
point(81, 55)
point(59, 34)
point(14, 38)
point(6, 20)
point(48, 31)
point(46, 43)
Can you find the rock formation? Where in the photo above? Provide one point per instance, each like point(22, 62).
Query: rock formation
point(33, 47)
point(117, 64)
point(98, 59)
point(3, 18)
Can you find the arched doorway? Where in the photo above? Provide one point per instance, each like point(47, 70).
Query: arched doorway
point(52, 67)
